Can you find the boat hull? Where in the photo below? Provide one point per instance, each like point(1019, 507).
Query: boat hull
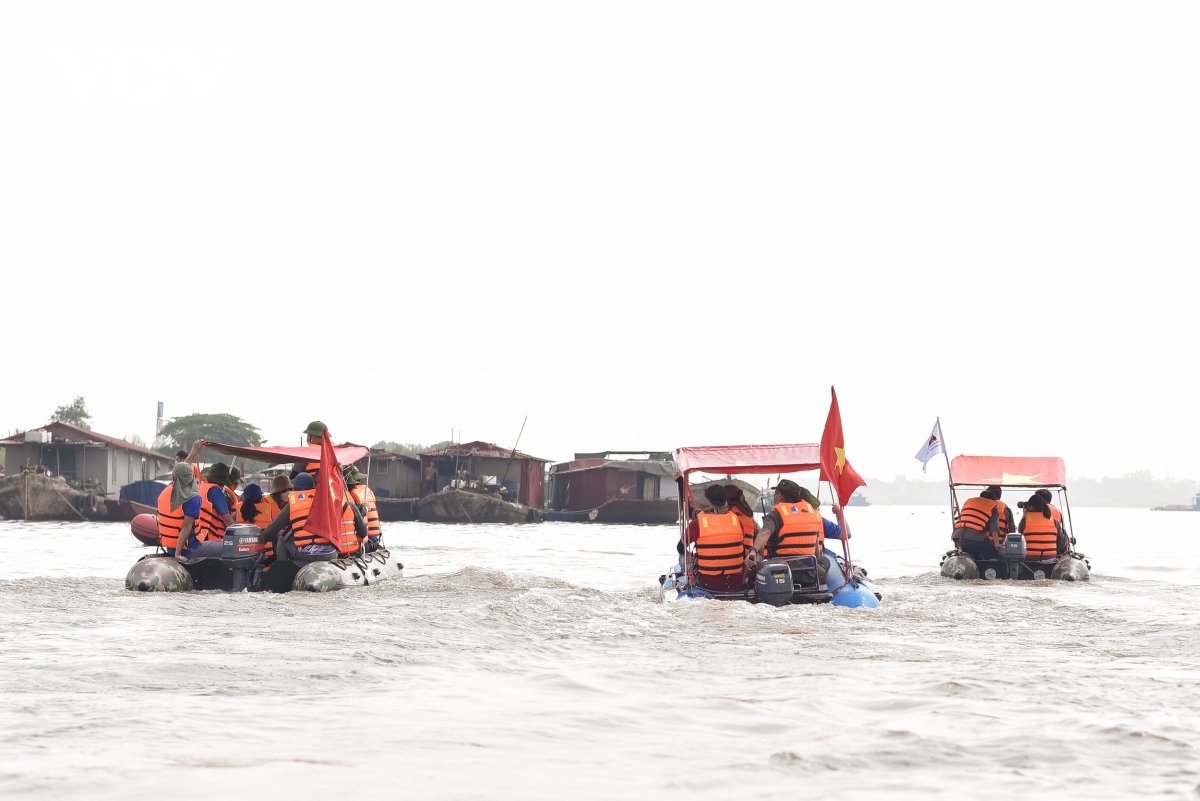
point(962, 566)
point(837, 590)
point(656, 512)
point(34, 496)
point(164, 574)
point(459, 506)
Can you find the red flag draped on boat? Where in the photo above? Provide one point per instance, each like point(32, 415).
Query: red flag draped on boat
point(834, 467)
point(325, 515)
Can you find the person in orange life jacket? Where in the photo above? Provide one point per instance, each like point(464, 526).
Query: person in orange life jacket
point(215, 516)
point(1048, 497)
point(718, 564)
point(767, 541)
point(280, 487)
point(231, 496)
point(178, 508)
point(361, 494)
point(982, 524)
point(256, 508)
point(314, 431)
point(1041, 530)
point(739, 506)
point(284, 545)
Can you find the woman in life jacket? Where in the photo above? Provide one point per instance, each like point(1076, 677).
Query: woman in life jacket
point(1041, 530)
point(719, 545)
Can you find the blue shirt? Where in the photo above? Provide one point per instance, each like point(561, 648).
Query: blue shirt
point(191, 508)
point(832, 530)
point(216, 496)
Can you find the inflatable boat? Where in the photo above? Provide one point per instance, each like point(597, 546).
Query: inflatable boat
point(241, 565)
point(826, 578)
point(1013, 560)
point(240, 568)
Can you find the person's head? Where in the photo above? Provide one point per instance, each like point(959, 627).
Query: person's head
point(715, 494)
point(280, 486)
point(1036, 503)
point(182, 474)
point(180, 455)
point(353, 476)
point(304, 481)
point(1045, 495)
point(737, 499)
point(314, 431)
point(253, 493)
point(788, 491)
point(216, 473)
point(235, 477)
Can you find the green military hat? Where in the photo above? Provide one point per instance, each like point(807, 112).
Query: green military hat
point(235, 476)
point(787, 487)
point(217, 473)
point(315, 429)
point(353, 475)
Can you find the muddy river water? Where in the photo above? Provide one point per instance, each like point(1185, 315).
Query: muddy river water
point(538, 662)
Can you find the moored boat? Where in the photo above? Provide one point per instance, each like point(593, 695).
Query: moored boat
point(1010, 557)
point(31, 495)
point(465, 506)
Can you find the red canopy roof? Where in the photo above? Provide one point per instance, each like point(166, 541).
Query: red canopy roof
point(1009, 471)
point(346, 454)
point(748, 459)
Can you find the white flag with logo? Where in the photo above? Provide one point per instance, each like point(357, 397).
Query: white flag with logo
point(932, 447)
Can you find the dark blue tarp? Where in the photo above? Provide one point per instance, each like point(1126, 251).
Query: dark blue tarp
point(145, 492)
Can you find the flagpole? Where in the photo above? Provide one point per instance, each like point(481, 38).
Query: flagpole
point(841, 516)
point(949, 475)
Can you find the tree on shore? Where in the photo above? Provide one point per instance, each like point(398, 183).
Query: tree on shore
point(75, 413)
point(179, 433)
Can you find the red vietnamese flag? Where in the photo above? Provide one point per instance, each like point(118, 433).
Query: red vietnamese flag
point(325, 515)
point(834, 467)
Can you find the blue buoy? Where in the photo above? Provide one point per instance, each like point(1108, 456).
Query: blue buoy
point(854, 595)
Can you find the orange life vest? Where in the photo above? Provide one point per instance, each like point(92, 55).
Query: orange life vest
point(747, 524)
point(210, 526)
point(803, 530)
point(232, 501)
point(299, 504)
point(1041, 536)
point(1055, 513)
point(363, 494)
point(312, 468)
point(976, 513)
point(265, 512)
point(719, 548)
point(169, 523)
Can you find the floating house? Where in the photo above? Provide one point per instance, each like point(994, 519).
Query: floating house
point(396, 481)
point(89, 463)
point(481, 464)
point(615, 487)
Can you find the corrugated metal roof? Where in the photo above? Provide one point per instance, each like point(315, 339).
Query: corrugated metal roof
point(82, 436)
point(489, 450)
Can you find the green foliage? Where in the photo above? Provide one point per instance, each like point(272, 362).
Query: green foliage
point(75, 413)
point(180, 432)
point(407, 448)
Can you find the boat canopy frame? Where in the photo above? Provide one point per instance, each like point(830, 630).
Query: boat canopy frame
point(972, 469)
point(742, 460)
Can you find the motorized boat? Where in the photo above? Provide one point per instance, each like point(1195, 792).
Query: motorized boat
point(241, 567)
point(1012, 561)
point(824, 578)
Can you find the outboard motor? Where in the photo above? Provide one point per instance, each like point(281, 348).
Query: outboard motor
point(773, 583)
point(241, 550)
point(1014, 553)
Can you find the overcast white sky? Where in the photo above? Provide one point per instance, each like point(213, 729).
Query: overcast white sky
point(643, 224)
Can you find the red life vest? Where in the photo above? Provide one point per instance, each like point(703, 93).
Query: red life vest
point(210, 526)
point(1041, 536)
point(169, 523)
point(719, 547)
point(802, 533)
point(363, 494)
point(299, 504)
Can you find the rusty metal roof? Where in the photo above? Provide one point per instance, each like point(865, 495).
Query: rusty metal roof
point(488, 450)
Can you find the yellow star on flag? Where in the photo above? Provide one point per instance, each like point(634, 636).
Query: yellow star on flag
point(1009, 478)
point(332, 491)
point(841, 459)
